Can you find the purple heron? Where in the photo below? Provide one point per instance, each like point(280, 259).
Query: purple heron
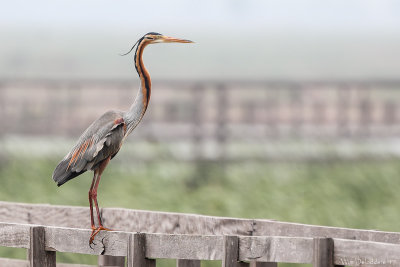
point(102, 140)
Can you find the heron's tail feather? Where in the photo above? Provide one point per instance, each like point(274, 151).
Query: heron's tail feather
point(63, 173)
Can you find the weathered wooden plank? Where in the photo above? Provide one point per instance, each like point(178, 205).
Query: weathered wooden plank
point(276, 249)
point(230, 258)
point(276, 228)
point(77, 241)
point(175, 223)
point(116, 261)
point(356, 253)
point(4, 262)
point(38, 256)
point(14, 235)
point(323, 252)
point(137, 251)
point(115, 244)
point(265, 249)
point(123, 219)
point(73, 265)
point(189, 247)
point(44, 214)
point(188, 263)
point(263, 264)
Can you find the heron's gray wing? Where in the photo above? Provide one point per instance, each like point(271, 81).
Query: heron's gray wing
point(102, 139)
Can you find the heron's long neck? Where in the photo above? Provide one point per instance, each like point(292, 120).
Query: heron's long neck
point(139, 106)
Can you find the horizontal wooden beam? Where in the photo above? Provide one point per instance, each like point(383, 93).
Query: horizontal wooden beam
point(15, 235)
point(357, 253)
point(276, 249)
point(187, 247)
point(178, 223)
point(4, 262)
point(199, 247)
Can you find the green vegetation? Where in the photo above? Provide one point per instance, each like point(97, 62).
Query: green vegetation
point(346, 194)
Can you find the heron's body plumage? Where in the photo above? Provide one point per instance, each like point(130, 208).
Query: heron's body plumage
point(103, 138)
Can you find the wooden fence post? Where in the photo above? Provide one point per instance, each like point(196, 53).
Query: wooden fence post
point(137, 251)
point(188, 263)
point(231, 253)
point(323, 252)
point(111, 261)
point(263, 264)
point(38, 256)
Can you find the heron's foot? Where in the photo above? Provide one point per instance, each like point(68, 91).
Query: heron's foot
point(95, 231)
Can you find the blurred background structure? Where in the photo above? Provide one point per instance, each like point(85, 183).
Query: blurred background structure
point(287, 110)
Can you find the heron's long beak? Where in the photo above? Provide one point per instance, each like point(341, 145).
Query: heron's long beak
point(166, 39)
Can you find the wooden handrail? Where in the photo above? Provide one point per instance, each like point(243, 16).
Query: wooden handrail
point(179, 223)
point(195, 247)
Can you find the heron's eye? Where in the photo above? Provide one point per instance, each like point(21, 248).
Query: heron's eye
point(149, 38)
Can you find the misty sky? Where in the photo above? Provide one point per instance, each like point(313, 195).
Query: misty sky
point(282, 38)
point(382, 15)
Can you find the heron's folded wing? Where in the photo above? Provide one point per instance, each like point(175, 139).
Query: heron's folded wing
point(102, 139)
point(97, 148)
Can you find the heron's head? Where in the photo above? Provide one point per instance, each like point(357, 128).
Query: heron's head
point(154, 37)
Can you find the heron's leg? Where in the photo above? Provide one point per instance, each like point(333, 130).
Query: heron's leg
point(91, 201)
point(97, 205)
point(99, 171)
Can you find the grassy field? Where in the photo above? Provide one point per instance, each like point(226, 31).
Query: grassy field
point(357, 194)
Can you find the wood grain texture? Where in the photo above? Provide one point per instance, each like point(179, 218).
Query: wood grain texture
point(44, 214)
point(38, 256)
point(116, 261)
point(14, 235)
point(276, 249)
point(123, 219)
point(323, 252)
point(263, 264)
point(230, 257)
point(176, 223)
point(189, 247)
point(77, 241)
point(115, 244)
point(4, 262)
point(73, 265)
point(356, 253)
point(188, 263)
point(276, 228)
point(200, 247)
point(265, 249)
point(137, 251)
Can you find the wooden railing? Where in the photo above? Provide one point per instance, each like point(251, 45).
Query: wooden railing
point(146, 236)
